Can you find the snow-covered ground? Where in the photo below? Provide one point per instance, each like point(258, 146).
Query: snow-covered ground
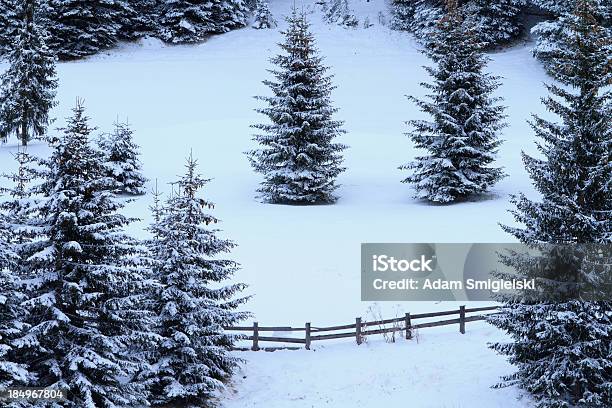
point(441, 369)
point(303, 263)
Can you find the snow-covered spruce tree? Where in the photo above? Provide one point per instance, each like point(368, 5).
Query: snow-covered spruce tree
point(142, 20)
point(80, 28)
point(427, 13)
point(551, 35)
point(83, 303)
point(121, 154)
point(13, 370)
point(28, 86)
point(402, 12)
point(263, 16)
point(562, 340)
point(9, 22)
point(497, 21)
point(338, 12)
point(193, 302)
point(189, 21)
point(229, 14)
point(298, 156)
point(461, 140)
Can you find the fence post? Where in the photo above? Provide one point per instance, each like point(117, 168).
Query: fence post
point(408, 326)
point(255, 337)
point(307, 338)
point(358, 330)
point(462, 319)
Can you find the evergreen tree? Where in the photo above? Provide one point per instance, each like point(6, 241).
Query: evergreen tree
point(562, 336)
point(83, 303)
point(80, 28)
point(427, 13)
point(9, 23)
point(229, 14)
point(338, 12)
point(121, 155)
point(263, 16)
point(142, 20)
point(189, 21)
point(298, 158)
point(497, 21)
point(28, 85)
point(462, 139)
point(192, 303)
point(402, 12)
point(13, 370)
point(551, 35)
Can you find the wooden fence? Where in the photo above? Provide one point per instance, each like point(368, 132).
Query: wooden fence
point(358, 330)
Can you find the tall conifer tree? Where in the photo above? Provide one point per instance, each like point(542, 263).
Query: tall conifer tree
point(562, 336)
point(299, 158)
point(193, 302)
point(461, 140)
point(28, 86)
point(14, 370)
point(82, 284)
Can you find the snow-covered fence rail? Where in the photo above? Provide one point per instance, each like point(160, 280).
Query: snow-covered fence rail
point(358, 330)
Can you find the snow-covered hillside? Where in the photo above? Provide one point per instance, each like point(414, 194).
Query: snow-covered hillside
point(303, 263)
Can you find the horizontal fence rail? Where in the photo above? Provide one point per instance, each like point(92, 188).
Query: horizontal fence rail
point(358, 330)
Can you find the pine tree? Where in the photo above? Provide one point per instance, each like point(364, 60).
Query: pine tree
point(121, 154)
point(462, 139)
point(338, 12)
point(28, 86)
point(189, 21)
point(562, 336)
point(81, 28)
point(263, 16)
point(193, 303)
point(298, 158)
point(83, 280)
